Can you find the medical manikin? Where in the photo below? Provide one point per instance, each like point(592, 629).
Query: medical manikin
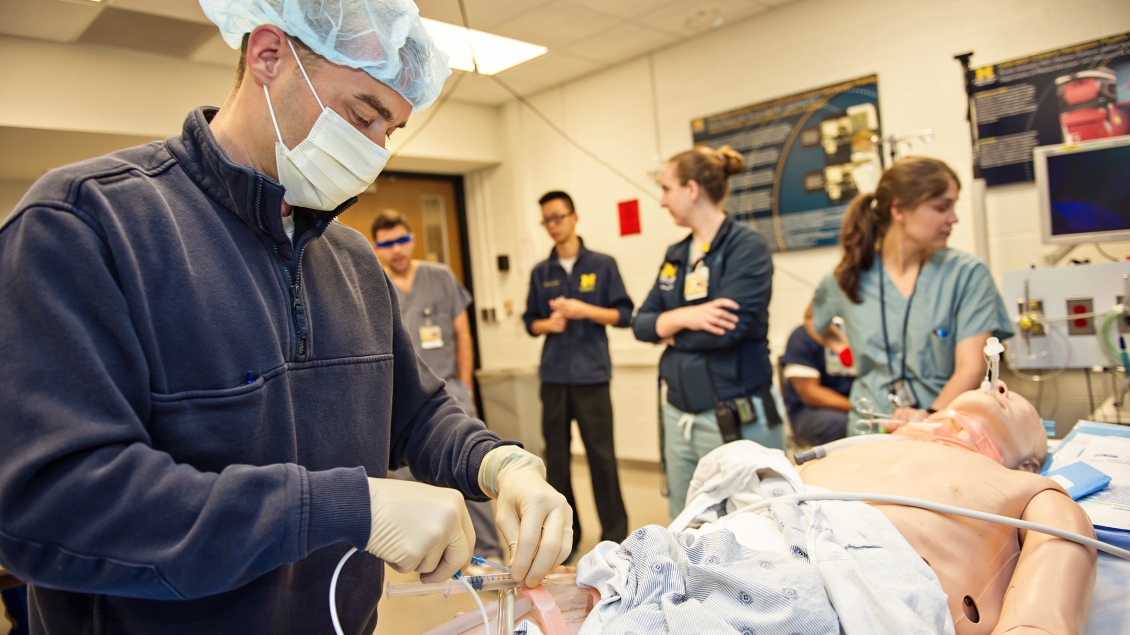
point(983, 454)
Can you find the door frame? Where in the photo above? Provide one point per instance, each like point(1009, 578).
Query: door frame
point(456, 181)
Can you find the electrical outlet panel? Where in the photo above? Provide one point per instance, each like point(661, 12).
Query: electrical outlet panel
point(1083, 325)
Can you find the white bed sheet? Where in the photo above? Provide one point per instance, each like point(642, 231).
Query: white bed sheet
point(1110, 606)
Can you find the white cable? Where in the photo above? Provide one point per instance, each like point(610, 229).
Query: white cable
point(944, 509)
point(333, 591)
point(482, 609)
point(333, 596)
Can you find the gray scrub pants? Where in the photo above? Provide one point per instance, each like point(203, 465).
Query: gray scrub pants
point(487, 544)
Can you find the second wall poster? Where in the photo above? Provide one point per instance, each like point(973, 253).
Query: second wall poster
point(804, 155)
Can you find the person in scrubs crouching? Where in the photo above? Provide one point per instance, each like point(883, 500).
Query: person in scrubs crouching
point(918, 313)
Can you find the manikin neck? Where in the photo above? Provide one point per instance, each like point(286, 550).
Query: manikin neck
point(901, 256)
point(568, 247)
point(404, 281)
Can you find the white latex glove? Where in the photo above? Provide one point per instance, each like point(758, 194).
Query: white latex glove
point(532, 517)
point(418, 527)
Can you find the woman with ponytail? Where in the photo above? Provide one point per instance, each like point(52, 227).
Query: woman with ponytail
point(710, 305)
point(918, 314)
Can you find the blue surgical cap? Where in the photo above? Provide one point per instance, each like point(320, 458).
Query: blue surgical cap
point(384, 38)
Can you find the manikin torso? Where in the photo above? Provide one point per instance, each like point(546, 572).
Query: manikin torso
point(971, 558)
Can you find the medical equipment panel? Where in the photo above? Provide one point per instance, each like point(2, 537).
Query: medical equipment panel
point(1066, 317)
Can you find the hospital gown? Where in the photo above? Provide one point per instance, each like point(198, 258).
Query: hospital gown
point(812, 567)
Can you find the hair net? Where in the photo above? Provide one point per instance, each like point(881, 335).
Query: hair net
point(384, 38)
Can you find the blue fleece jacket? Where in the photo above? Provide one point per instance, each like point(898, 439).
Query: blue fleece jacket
point(190, 405)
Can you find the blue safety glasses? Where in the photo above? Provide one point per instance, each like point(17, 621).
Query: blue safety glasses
point(395, 241)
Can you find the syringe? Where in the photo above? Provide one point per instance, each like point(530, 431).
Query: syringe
point(489, 582)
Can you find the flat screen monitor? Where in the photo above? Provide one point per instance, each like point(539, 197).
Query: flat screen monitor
point(1084, 191)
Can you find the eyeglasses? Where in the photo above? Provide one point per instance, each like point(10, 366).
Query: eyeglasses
point(553, 220)
point(406, 238)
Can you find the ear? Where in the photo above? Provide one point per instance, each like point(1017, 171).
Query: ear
point(266, 48)
point(694, 190)
point(1030, 464)
point(898, 214)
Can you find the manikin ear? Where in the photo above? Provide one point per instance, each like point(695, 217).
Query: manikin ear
point(1030, 464)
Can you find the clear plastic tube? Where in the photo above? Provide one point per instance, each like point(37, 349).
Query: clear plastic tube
point(944, 509)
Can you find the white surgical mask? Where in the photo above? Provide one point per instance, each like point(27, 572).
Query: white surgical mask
point(334, 163)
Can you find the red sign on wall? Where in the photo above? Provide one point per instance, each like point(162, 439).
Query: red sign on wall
point(629, 217)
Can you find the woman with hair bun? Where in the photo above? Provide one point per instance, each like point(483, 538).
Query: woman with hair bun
point(918, 313)
point(710, 305)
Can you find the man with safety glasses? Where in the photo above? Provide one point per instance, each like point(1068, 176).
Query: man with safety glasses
point(575, 294)
point(434, 306)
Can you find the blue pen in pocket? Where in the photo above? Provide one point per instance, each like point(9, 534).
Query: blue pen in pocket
point(941, 333)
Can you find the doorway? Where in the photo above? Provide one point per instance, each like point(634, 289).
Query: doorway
point(433, 206)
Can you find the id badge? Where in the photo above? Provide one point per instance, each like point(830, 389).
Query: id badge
point(696, 284)
point(431, 337)
point(901, 394)
point(746, 413)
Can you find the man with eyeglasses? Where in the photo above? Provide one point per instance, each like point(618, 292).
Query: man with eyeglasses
point(433, 306)
point(574, 295)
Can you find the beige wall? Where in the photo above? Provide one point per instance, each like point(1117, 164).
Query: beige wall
point(909, 44)
point(10, 193)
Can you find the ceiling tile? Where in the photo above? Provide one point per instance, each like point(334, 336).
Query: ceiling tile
point(480, 89)
point(180, 9)
point(621, 42)
point(548, 70)
point(216, 51)
point(624, 8)
point(46, 19)
point(147, 32)
point(685, 18)
point(555, 24)
point(481, 14)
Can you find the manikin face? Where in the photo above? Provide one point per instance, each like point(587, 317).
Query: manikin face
point(398, 257)
point(679, 199)
point(929, 224)
point(559, 221)
point(1009, 419)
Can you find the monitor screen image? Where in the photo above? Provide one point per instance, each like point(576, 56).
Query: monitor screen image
point(1086, 193)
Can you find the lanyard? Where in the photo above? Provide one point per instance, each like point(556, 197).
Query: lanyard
point(905, 319)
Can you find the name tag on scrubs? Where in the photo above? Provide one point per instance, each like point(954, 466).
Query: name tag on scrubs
point(431, 337)
point(696, 284)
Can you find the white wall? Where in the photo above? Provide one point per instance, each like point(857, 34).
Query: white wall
point(909, 44)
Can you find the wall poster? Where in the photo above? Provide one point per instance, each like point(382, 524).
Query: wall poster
point(1074, 94)
point(806, 156)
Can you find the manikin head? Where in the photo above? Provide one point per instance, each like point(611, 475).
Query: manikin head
point(393, 241)
point(558, 216)
point(694, 182)
point(1008, 419)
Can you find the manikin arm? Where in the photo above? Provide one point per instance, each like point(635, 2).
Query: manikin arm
point(1050, 591)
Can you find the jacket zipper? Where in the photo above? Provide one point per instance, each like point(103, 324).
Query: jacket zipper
point(294, 284)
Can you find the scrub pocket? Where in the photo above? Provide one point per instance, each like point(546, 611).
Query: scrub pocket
point(940, 353)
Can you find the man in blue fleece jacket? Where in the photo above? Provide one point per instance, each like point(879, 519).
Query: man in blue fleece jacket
point(206, 381)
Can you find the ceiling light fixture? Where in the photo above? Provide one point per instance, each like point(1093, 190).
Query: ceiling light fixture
point(493, 53)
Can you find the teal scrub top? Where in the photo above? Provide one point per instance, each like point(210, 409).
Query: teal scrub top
point(954, 298)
